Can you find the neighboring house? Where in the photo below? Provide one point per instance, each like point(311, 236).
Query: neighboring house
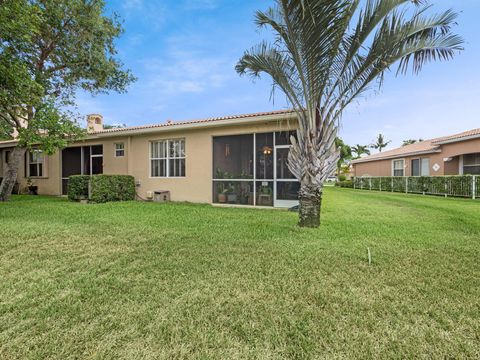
point(235, 159)
point(457, 154)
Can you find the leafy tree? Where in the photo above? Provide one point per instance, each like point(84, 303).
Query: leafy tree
point(114, 126)
point(345, 152)
point(360, 150)
point(380, 143)
point(328, 53)
point(49, 49)
point(410, 141)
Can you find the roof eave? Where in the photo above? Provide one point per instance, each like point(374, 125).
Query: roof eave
point(398, 156)
point(464, 138)
point(8, 143)
point(193, 126)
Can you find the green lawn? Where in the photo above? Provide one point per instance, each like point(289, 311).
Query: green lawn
point(180, 281)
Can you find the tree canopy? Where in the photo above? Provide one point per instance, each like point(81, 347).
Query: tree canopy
point(50, 49)
point(380, 143)
point(410, 141)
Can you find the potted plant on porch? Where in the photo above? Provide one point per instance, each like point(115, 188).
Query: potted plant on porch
point(231, 193)
point(32, 189)
point(222, 194)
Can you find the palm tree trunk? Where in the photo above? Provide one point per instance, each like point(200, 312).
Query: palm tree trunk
point(310, 198)
point(10, 173)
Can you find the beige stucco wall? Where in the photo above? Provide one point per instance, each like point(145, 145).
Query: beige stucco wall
point(453, 150)
point(196, 186)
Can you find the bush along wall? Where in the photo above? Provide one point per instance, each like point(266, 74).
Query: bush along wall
point(78, 187)
point(467, 186)
point(345, 184)
point(101, 188)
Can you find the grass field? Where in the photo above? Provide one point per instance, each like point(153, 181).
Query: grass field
point(180, 281)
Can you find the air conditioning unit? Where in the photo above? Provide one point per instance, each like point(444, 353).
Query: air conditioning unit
point(161, 196)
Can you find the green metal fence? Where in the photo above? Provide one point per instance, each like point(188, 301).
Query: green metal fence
point(467, 186)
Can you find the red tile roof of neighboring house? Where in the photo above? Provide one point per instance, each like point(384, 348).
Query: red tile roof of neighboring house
point(458, 137)
point(422, 147)
point(198, 121)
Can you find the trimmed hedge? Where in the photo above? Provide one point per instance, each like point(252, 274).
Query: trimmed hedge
point(458, 186)
point(103, 188)
point(345, 184)
point(78, 187)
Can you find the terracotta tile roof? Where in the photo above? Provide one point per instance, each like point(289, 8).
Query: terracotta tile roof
point(459, 137)
point(419, 147)
point(207, 120)
point(422, 147)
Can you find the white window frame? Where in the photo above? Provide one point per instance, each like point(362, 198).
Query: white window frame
point(168, 158)
point(37, 163)
point(116, 149)
point(393, 167)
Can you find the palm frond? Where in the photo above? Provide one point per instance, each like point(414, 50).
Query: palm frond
point(328, 53)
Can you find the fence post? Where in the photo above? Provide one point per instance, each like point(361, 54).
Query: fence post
point(354, 179)
point(474, 184)
point(370, 181)
point(446, 188)
point(406, 185)
point(392, 183)
point(380, 184)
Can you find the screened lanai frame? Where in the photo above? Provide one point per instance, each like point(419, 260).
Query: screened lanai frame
point(249, 184)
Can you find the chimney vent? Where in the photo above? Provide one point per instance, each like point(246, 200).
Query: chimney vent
point(94, 123)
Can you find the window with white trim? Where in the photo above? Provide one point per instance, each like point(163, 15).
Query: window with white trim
point(421, 167)
point(398, 168)
point(119, 149)
point(471, 164)
point(167, 158)
point(36, 163)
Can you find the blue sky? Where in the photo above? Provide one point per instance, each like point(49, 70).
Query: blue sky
point(184, 52)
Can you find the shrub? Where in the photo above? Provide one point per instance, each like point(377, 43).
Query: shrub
point(78, 187)
point(342, 177)
point(105, 188)
point(455, 185)
point(345, 184)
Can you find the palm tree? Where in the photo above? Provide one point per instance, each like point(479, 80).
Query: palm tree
point(380, 143)
point(328, 53)
point(345, 153)
point(360, 150)
point(410, 141)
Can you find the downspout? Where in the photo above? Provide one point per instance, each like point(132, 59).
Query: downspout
point(129, 145)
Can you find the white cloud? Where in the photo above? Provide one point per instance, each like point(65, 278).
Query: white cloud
point(185, 68)
point(201, 4)
point(132, 4)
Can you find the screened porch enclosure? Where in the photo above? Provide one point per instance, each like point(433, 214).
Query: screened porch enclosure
point(81, 160)
point(251, 169)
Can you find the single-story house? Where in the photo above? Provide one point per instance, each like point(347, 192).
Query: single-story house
point(457, 154)
point(234, 159)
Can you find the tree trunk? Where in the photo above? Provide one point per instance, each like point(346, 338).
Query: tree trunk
point(310, 198)
point(10, 173)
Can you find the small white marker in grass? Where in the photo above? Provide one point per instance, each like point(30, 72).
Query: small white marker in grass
point(369, 254)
